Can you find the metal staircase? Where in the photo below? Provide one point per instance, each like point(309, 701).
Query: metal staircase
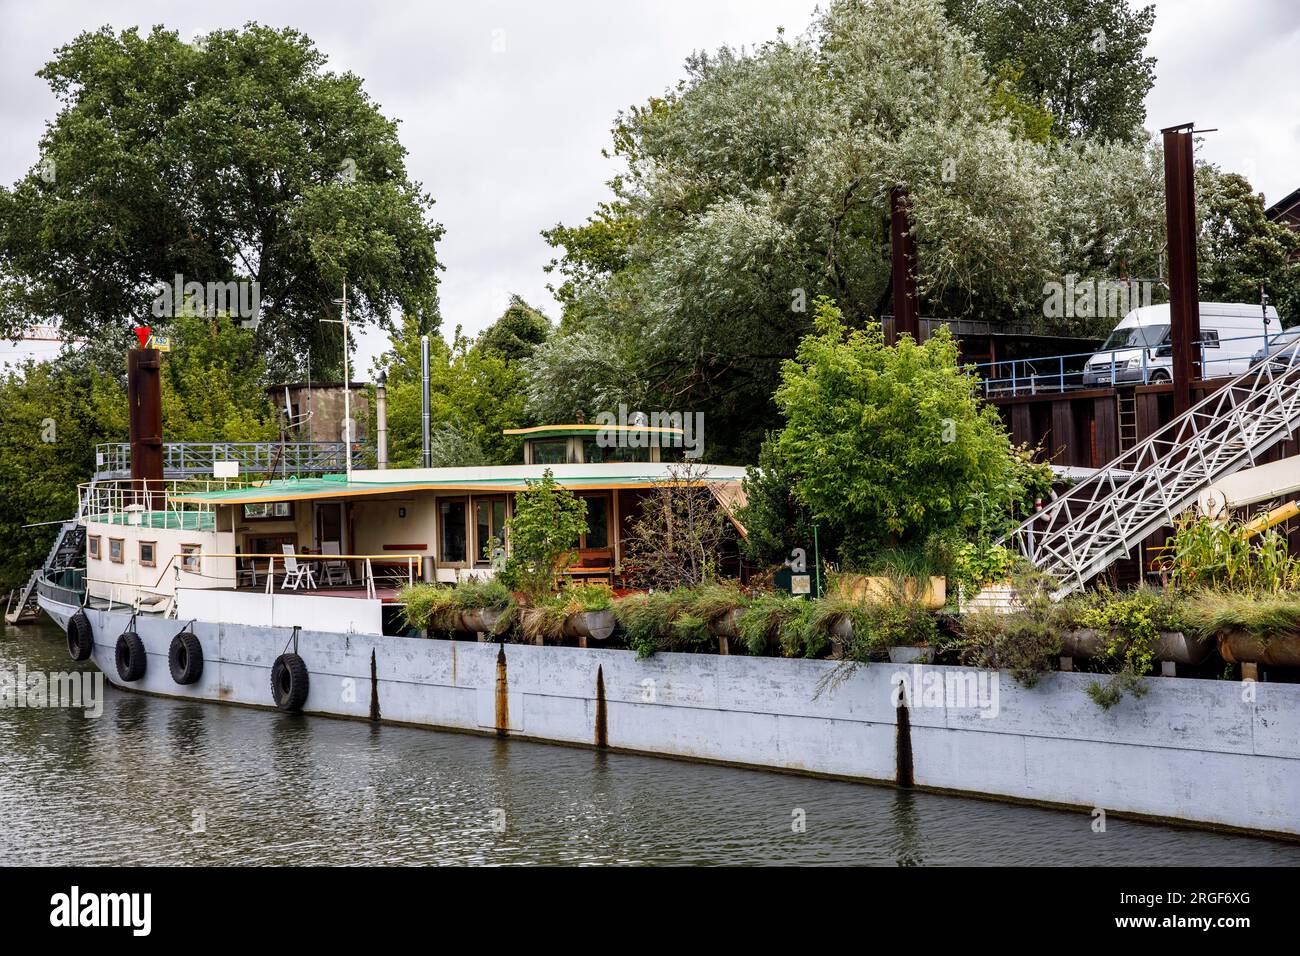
point(1104, 517)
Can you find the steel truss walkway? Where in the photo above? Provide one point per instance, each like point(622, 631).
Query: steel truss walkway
point(1102, 518)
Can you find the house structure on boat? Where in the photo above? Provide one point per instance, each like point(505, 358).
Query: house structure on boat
point(363, 536)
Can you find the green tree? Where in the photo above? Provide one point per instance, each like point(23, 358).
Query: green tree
point(516, 335)
point(237, 158)
point(213, 384)
point(54, 415)
point(1241, 253)
point(475, 388)
point(775, 521)
point(1084, 60)
point(888, 445)
point(543, 532)
point(762, 180)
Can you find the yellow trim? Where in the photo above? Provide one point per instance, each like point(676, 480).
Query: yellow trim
point(436, 489)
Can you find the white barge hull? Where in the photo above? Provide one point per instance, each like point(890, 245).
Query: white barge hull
point(1208, 752)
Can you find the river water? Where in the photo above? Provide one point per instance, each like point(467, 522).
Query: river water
point(174, 782)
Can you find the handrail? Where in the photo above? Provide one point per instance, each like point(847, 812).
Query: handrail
point(1018, 376)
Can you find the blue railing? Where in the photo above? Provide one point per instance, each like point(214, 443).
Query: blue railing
point(1062, 373)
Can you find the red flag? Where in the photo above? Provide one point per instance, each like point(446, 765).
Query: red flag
point(142, 333)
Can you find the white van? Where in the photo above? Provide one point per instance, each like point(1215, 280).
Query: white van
point(1139, 350)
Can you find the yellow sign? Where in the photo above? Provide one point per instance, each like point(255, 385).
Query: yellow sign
point(160, 342)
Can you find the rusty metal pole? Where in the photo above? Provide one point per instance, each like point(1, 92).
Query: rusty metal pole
point(902, 253)
point(1184, 294)
point(144, 398)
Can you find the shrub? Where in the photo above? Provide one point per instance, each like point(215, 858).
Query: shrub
point(889, 444)
point(1024, 642)
point(1131, 622)
point(543, 532)
point(677, 540)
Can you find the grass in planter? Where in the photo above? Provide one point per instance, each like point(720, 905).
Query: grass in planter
point(715, 599)
point(662, 621)
point(428, 606)
point(1208, 613)
point(482, 593)
point(768, 620)
point(545, 619)
point(590, 597)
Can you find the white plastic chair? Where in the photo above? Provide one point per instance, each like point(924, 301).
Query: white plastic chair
point(295, 574)
point(334, 569)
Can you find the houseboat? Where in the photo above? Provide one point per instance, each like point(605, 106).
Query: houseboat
point(182, 575)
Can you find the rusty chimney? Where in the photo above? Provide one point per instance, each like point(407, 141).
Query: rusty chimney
point(1184, 294)
point(144, 398)
point(902, 248)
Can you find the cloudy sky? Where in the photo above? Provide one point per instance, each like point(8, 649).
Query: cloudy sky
point(505, 105)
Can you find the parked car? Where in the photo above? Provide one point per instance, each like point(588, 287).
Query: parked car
point(1139, 351)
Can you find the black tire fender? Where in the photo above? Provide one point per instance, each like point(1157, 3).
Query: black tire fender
point(185, 658)
point(81, 637)
point(131, 658)
point(289, 682)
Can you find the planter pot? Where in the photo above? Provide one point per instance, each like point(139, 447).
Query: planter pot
point(998, 598)
point(597, 625)
point(1238, 647)
point(480, 620)
point(1173, 646)
point(911, 655)
point(928, 592)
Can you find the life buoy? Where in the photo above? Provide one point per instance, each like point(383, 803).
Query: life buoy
point(185, 658)
point(81, 638)
point(131, 659)
point(289, 682)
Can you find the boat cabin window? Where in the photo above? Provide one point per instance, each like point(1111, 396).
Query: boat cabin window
point(451, 529)
point(149, 554)
point(190, 557)
point(594, 453)
point(115, 546)
point(551, 451)
point(93, 542)
point(597, 535)
point(489, 526)
point(268, 511)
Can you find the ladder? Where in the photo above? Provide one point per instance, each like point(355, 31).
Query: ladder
point(1128, 417)
point(26, 607)
point(67, 550)
point(1104, 517)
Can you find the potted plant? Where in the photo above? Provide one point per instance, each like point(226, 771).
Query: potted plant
point(590, 612)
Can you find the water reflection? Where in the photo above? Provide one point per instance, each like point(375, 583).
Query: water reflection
point(178, 782)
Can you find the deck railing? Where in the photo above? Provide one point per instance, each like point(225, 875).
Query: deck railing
point(149, 504)
point(196, 459)
point(1063, 373)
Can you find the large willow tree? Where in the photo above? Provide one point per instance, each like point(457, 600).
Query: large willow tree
point(761, 181)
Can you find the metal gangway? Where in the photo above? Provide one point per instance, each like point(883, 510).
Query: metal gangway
point(196, 459)
point(1101, 519)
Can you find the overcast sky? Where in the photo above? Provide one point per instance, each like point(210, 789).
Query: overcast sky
point(505, 106)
